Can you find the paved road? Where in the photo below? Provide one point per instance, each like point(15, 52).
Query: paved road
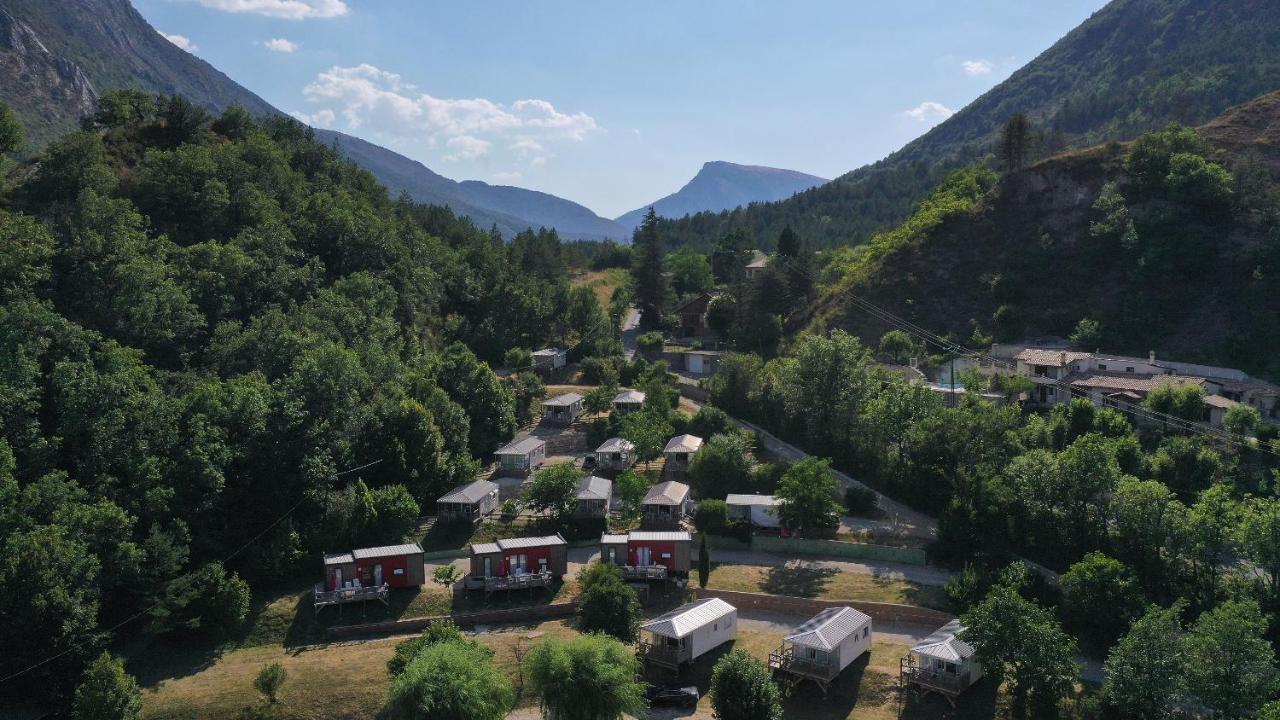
point(630, 329)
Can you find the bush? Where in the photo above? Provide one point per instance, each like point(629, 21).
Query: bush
point(269, 681)
point(712, 516)
point(517, 358)
point(107, 692)
point(209, 599)
point(452, 680)
point(602, 371)
point(650, 345)
point(741, 689)
point(859, 500)
point(397, 513)
point(588, 677)
point(407, 650)
point(607, 604)
point(710, 421)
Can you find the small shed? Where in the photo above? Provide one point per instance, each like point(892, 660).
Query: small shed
point(468, 502)
point(628, 401)
point(549, 358)
point(702, 362)
point(391, 565)
point(594, 497)
point(519, 458)
point(823, 645)
point(562, 409)
point(690, 631)
point(679, 452)
point(616, 454)
point(665, 505)
point(755, 268)
point(520, 556)
point(758, 509)
point(942, 663)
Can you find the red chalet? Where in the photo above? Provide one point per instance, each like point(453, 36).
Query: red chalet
point(514, 563)
point(648, 555)
point(368, 574)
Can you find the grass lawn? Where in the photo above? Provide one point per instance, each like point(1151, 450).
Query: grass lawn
point(823, 583)
point(602, 282)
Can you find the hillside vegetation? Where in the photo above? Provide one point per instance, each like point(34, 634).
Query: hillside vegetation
point(1132, 67)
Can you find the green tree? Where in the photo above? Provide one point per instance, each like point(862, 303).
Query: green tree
point(721, 467)
point(517, 358)
point(649, 430)
point(1145, 669)
point(1017, 141)
point(704, 561)
point(1258, 536)
point(599, 400)
point(558, 672)
point(406, 650)
point(712, 516)
point(1087, 336)
point(690, 272)
point(446, 576)
point(488, 404)
point(742, 689)
point(1230, 665)
point(209, 599)
point(269, 681)
point(107, 692)
point(1242, 419)
point(397, 514)
point(722, 312)
point(451, 681)
point(806, 496)
point(607, 604)
point(554, 490)
point(710, 421)
point(1100, 598)
point(898, 346)
point(631, 487)
point(648, 272)
point(11, 132)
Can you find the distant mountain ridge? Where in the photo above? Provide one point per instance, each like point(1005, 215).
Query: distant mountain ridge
point(1132, 67)
point(58, 56)
point(721, 185)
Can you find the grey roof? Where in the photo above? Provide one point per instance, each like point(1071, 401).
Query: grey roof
point(945, 644)
point(758, 259)
point(660, 535)
point(629, 396)
point(687, 618)
point(683, 443)
point(765, 500)
point(829, 628)
point(613, 539)
point(527, 542)
point(546, 352)
point(521, 447)
point(563, 400)
point(386, 551)
point(338, 559)
point(616, 445)
point(595, 488)
point(485, 549)
point(666, 493)
point(470, 493)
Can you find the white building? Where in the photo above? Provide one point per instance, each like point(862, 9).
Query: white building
point(824, 645)
point(759, 509)
point(628, 401)
point(562, 409)
point(521, 457)
point(943, 663)
point(549, 358)
point(679, 452)
point(616, 454)
point(687, 633)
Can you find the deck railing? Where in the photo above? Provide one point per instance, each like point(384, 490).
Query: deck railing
point(322, 596)
point(785, 658)
point(644, 572)
point(662, 654)
point(945, 682)
point(518, 582)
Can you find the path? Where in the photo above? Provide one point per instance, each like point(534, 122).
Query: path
point(630, 330)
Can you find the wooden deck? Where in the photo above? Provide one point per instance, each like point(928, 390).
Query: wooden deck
point(663, 656)
point(322, 597)
point(786, 660)
point(949, 685)
point(644, 572)
point(528, 581)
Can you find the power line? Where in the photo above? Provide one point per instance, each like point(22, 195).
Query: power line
point(158, 603)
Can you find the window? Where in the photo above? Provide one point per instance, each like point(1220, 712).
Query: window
point(715, 627)
point(1102, 366)
point(1128, 369)
point(866, 631)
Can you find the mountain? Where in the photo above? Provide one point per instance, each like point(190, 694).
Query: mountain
point(1170, 243)
point(723, 185)
point(1133, 66)
point(58, 56)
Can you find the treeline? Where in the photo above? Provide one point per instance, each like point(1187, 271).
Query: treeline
point(221, 341)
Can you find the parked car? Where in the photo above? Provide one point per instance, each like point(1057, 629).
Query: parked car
point(686, 697)
point(588, 462)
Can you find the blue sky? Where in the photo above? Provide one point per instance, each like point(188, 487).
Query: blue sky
point(615, 104)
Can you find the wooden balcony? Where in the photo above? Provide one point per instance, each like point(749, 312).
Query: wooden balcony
point(322, 597)
point(786, 659)
point(661, 654)
point(644, 572)
point(950, 685)
point(653, 519)
point(528, 581)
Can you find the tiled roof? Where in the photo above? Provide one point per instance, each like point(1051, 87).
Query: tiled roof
point(521, 447)
point(944, 644)
point(338, 558)
point(829, 628)
point(1120, 382)
point(629, 396)
point(386, 551)
point(764, 500)
point(683, 443)
point(666, 493)
point(547, 352)
point(471, 493)
point(1219, 402)
point(595, 488)
point(563, 400)
point(660, 536)
point(758, 260)
point(1035, 356)
point(687, 618)
point(616, 445)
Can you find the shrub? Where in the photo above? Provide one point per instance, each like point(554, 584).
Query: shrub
point(407, 650)
point(741, 689)
point(859, 500)
point(452, 680)
point(107, 692)
point(710, 421)
point(269, 681)
point(517, 358)
point(607, 604)
point(712, 516)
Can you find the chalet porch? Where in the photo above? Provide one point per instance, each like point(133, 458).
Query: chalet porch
point(322, 597)
point(643, 572)
point(525, 581)
point(821, 669)
point(665, 652)
point(947, 684)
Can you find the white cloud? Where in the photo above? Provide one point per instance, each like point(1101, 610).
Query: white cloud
point(929, 111)
point(382, 103)
point(465, 147)
point(505, 178)
point(287, 9)
point(978, 67)
point(281, 45)
point(320, 118)
point(181, 41)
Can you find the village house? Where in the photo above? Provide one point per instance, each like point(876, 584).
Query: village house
point(758, 509)
point(665, 505)
point(692, 315)
point(823, 646)
point(548, 359)
point(679, 453)
point(518, 563)
point(521, 457)
point(628, 401)
point(562, 409)
point(647, 555)
point(755, 268)
point(470, 502)
point(942, 663)
point(687, 633)
point(594, 497)
point(615, 454)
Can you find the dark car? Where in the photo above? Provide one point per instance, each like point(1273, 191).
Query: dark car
point(672, 696)
point(588, 462)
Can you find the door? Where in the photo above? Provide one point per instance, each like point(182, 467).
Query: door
point(644, 555)
point(613, 556)
point(695, 364)
point(377, 575)
point(337, 578)
point(488, 567)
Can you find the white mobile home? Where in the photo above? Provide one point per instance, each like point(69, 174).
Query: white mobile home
point(616, 454)
point(942, 663)
point(687, 633)
point(469, 502)
point(628, 401)
point(759, 509)
point(521, 457)
point(824, 645)
point(594, 497)
point(562, 409)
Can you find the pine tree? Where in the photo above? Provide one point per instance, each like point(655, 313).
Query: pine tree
point(1016, 140)
point(647, 272)
point(704, 561)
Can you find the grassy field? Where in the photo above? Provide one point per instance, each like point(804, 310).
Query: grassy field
point(824, 583)
point(603, 282)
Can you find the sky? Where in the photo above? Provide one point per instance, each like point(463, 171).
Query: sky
point(613, 104)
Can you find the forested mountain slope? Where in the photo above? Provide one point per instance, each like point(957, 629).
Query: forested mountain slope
point(203, 323)
point(1132, 67)
point(1171, 243)
point(723, 185)
point(57, 56)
